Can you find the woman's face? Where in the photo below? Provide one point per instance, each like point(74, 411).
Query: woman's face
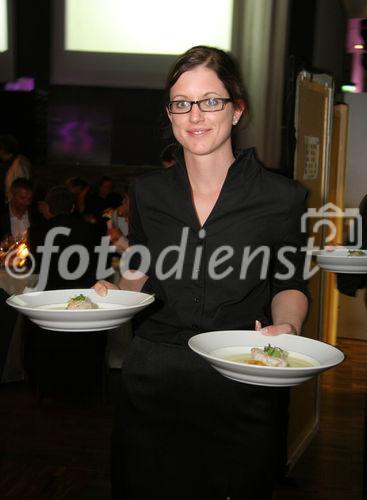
point(202, 133)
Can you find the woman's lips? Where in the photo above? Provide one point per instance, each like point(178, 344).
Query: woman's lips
point(198, 131)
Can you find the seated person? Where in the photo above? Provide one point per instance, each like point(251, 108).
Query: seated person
point(16, 164)
point(103, 198)
point(17, 215)
point(80, 189)
point(60, 203)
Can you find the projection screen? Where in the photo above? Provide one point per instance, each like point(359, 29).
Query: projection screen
point(6, 41)
point(132, 44)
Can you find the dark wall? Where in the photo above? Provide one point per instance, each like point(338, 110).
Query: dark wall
point(329, 40)
point(33, 40)
point(130, 117)
point(124, 124)
point(24, 115)
point(317, 33)
point(302, 15)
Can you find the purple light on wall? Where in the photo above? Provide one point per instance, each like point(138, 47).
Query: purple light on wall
point(23, 84)
point(66, 134)
point(86, 141)
point(79, 133)
point(354, 38)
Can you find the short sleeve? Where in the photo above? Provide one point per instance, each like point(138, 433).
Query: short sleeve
point(289, 262)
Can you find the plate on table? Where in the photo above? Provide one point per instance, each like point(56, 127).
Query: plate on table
point(48, 309)
point(342, 260)
point(222, 347)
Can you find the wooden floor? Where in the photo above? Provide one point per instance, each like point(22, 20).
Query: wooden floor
point(60, 449)
point(332, 467)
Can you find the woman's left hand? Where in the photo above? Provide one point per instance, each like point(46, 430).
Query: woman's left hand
point(272, 330)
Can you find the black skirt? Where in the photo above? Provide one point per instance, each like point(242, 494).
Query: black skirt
point(182, 431)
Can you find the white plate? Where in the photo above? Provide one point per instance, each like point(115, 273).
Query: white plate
point(215, 346)
point(47, 309)
point(338, 261)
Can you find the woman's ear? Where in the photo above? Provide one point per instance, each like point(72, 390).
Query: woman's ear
point(240, 108)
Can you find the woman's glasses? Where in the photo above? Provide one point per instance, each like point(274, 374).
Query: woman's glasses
point(206, 105)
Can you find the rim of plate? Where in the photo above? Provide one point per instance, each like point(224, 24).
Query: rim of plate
point(144, 302)
point(334, 255)
point(308, 368)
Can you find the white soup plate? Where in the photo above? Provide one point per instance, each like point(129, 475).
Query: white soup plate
point(216, 346)
point(339, 260)
point(48, 309)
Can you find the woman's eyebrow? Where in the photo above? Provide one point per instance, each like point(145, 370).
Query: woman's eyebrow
point(186, 98)
point(179, 96)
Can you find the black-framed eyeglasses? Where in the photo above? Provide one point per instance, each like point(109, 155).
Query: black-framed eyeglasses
point(206, 105)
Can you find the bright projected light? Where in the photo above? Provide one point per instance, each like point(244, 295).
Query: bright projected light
point(133, 43)
point(147, 26)
point(3, 26)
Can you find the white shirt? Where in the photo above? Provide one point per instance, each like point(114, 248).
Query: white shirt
point(18, 227)
point(19, 168)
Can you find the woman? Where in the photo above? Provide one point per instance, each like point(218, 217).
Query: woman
point(183, 431)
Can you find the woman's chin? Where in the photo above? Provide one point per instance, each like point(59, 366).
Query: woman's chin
point(198, 148)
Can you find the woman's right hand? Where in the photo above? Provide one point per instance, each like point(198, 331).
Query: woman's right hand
point(102, 287)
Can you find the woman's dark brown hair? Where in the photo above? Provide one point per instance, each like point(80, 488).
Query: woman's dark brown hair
point(215, 59)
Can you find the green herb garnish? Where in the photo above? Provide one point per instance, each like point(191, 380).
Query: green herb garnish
point(79, 298)
point(356, 253)
point(277, 352)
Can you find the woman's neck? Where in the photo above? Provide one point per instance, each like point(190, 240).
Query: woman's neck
point(207, 173)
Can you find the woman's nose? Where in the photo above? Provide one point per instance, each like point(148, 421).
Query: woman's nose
point(195, 113)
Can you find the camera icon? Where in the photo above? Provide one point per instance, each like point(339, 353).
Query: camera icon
point(324, 220)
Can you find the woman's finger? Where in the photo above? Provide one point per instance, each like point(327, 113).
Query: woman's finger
point(273, 330)
point(102, 287)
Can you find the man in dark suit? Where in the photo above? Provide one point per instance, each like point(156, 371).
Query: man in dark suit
point(17, 215)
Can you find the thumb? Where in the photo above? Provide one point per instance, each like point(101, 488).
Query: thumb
point(258, 325)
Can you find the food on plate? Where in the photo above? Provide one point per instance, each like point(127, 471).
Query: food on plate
point(356, 253)
point(80, 302)
point(269, 356)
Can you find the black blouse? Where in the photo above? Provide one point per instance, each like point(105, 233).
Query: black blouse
point(256, 208)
